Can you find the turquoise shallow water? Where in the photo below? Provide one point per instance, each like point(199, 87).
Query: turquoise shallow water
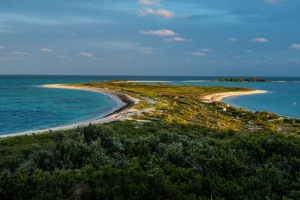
point(25, 105)
point(280, 96)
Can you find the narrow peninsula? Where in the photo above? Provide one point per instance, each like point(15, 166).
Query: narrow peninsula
point(165, 142)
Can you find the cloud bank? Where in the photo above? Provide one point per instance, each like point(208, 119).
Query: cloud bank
point(163, 32)
point(295, 46)
point(47, 50)
point(196, 53)
point(20, 53)
point(84, 54)
point(150, 52)
point(150, 2)
point(178, 39)
point(159, 12)
point(258, 40)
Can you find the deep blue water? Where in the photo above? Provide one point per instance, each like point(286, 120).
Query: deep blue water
point(27, 106)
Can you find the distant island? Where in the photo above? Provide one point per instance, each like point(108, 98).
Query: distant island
point(241, 80)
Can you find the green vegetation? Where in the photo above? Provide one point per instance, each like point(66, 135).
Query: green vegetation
point(189, 150)
point(242, 80)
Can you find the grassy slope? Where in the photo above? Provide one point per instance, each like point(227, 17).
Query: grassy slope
point(181, 105)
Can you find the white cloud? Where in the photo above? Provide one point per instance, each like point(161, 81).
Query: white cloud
point(233, 39)
point(163, 32)
point(4, 59)
point(149, 2)
point(84, 54)
point(46, 50)
point(20, 53)
point(65, 57)
point(160, 12)
point(150, 52)
point(249, 51)
point(178, 39)
point(206, 50)
point(258, 40)
point(196, 54)
point(295, 46)
point(2, 47)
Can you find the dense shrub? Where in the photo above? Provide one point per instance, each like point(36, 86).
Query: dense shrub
point(95, 162)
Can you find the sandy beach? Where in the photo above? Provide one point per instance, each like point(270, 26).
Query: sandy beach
point(125, 111)
point(219, 96)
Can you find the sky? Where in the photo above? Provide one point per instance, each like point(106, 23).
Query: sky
point(150, 37)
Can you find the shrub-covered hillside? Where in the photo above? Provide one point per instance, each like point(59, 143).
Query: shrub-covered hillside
point(182, 149)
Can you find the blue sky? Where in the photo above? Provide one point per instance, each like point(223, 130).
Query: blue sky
point(150, 37)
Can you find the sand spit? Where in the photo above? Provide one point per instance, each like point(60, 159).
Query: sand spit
point(122, 113)
point(219, 96)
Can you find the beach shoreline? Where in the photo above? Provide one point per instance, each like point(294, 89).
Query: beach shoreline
point(219, 96)
point(123, 112)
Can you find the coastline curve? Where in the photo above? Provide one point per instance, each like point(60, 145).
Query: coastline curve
point(219, 96)
point(116, 115)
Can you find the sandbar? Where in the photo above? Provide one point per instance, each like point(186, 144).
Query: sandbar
point(219, 96)
point(123, 112)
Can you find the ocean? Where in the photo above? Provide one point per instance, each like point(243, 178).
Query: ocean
point(25, 105)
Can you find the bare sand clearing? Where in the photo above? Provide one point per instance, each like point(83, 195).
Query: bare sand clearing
point(219, 96)
point(125, 111)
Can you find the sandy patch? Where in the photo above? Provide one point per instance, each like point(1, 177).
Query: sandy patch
point(219, 96)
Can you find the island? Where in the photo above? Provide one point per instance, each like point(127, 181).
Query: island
point(241, 80)
point(168, 142)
